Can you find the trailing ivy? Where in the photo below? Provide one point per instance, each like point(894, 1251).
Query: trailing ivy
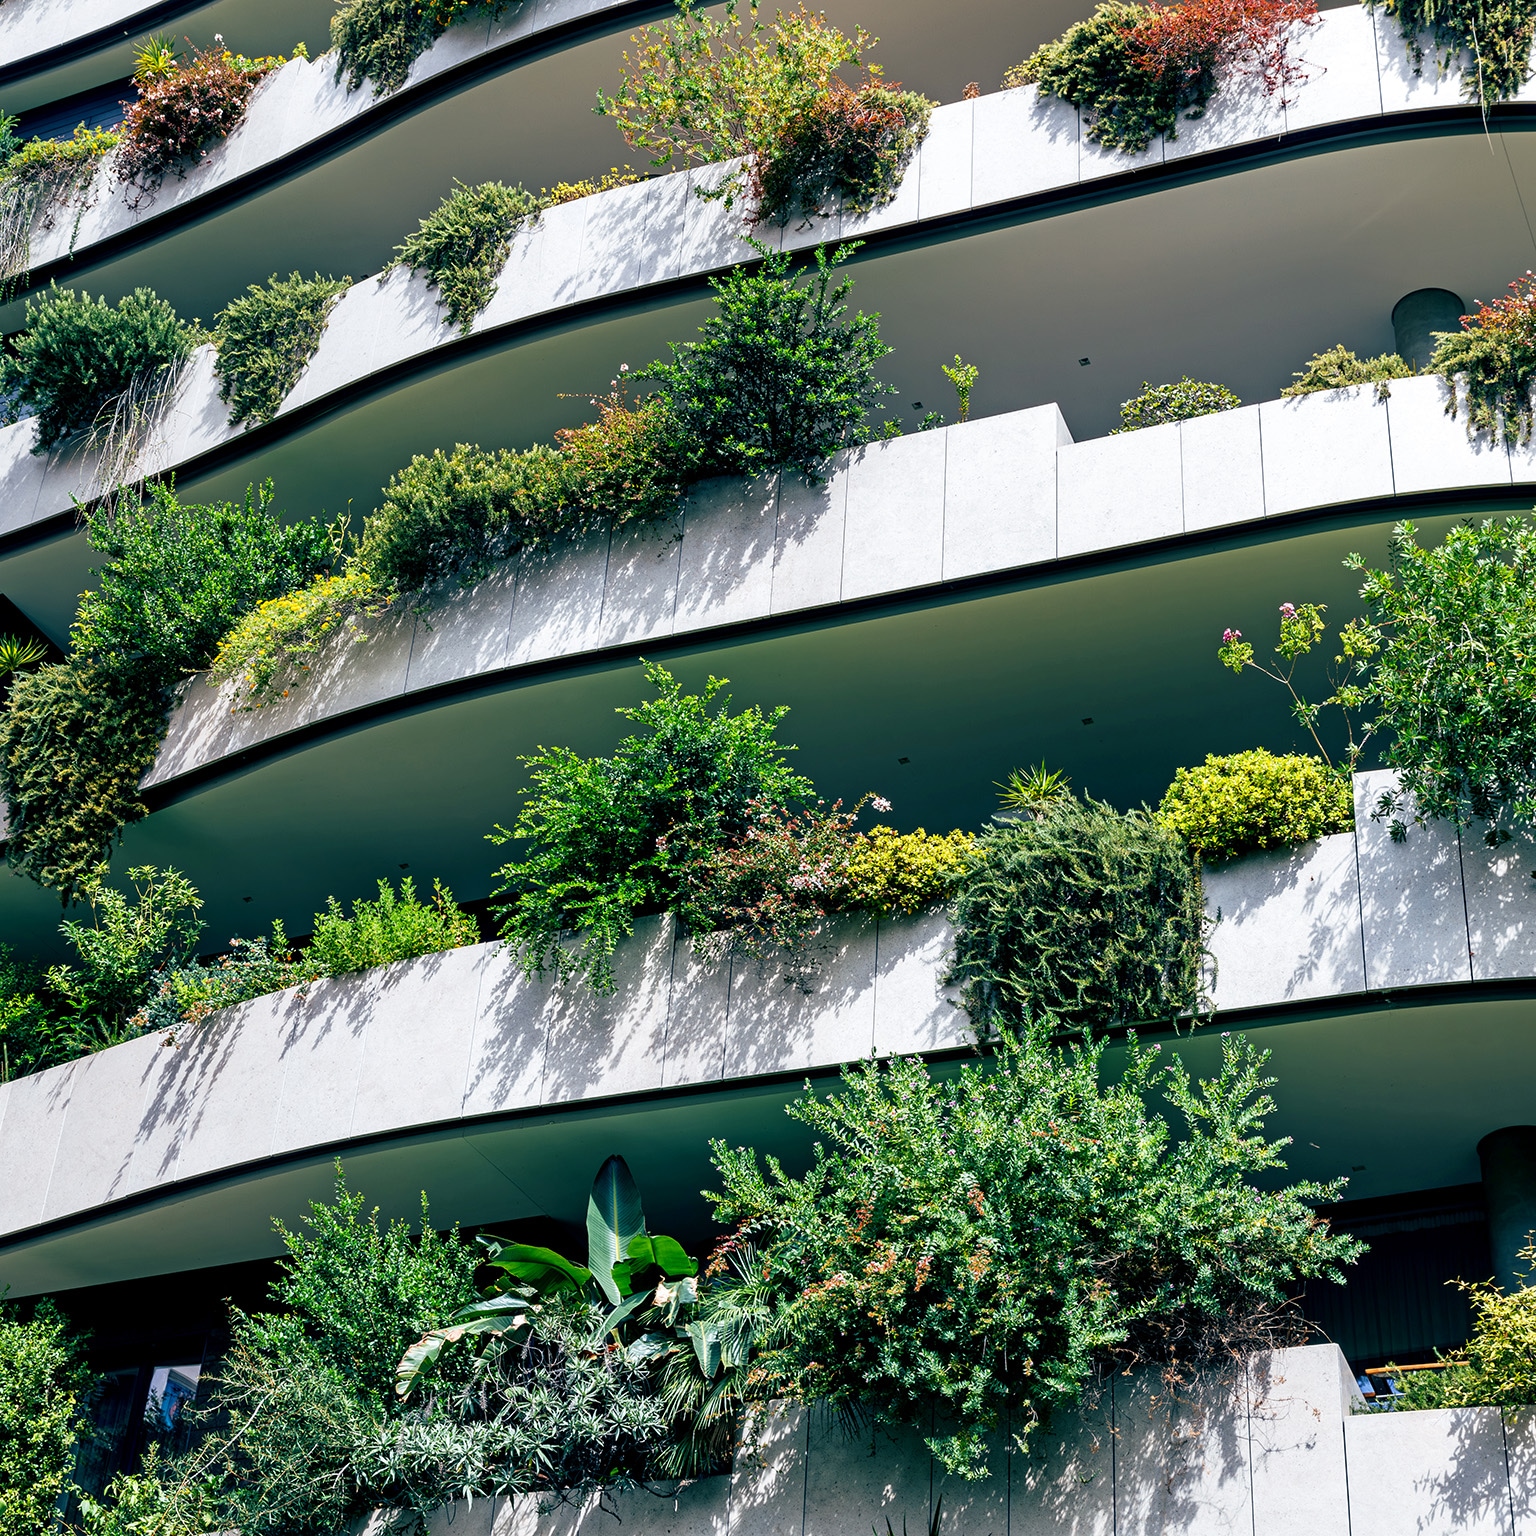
point(1135, 69)
point(379, 40)
point(1498, 34)
point(265, 338)
point(1083, 914)
point(462, 245)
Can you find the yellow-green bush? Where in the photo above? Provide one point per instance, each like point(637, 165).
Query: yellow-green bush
point(890, 871)
point(1255, 800)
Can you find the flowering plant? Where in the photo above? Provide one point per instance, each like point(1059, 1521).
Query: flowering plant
point(1491, 363)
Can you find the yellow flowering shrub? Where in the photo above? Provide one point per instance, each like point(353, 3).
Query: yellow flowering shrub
point(282, 636)
point(1252, 801)
point(570, 191)
point(891, 872)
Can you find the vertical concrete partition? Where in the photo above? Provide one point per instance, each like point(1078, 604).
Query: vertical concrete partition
point(1275, 1449)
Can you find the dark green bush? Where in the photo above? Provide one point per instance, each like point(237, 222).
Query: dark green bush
point(462, 245)
point(980, 1250)
point(44, 1389)
point(78, 354)
point(1339, 368)
point(379, 40)
point(608, 838)
point(1498, 36)
point(1161, 403)
point(780, 379)
point(265, 338)
point(1251, 801)
point(1083, 914)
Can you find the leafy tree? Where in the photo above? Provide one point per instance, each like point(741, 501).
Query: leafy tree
point(987, 1246)
point(1455, 677)
point(78, 353)
point(43, 1390)
point(1078, 911)
point(610, 837)
point(780, 380)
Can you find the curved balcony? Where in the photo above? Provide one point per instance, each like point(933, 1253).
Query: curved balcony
point(1375, 972)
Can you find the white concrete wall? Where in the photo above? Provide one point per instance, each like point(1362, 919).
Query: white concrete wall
point(447, 1038)
point(997, 494)
point(1275, 1449)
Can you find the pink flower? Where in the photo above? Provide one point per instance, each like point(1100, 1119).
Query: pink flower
point(880, 803)
point(1229, 635)
point(1287, 610)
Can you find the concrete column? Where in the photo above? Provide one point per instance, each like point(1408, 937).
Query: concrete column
point(1417, 316)
point(1509, 1191)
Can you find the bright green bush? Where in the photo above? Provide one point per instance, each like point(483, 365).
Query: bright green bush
point(37, 180)
point(1454, 674)
point(607, 838)
point(43, 1394)
point(155, 1501)
point(78, 354)
point(1161, 403)
point(889, 872)
point(462, 245)
point(780, 378)
point(392, 927)
point(982, 1249)
point(27, 1031)
point(265, 338)
point(1082, 914)
point(1252, 801)
point(1499, 38)
point(1339, 368)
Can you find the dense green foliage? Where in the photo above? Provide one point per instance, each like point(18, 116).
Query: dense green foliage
point(1455, 676)
point(78, 354)
point(1491, 364)
point(265, 337)
point(379, 40)
point(1161, 403)
point(462, 244)
point(986, 1246)
point(392, 927)
point(1339, 368)
point(608, 838)
point(43, 1390)
point(780, 379)
point(76, 737)
point(709, 86)
point(1497, 33)
point(1251, 801)
point(1083, 913)
point(37, 180)
point(1134, 69)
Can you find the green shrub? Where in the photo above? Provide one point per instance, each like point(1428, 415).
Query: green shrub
point(1454, 677)
point(251, 968)
point(28, 1038)
point(265, 338)
point(1252, 801)
point(889, 872)
point(607, 838)
point(1339, 368)
point(1491, 363)
point(1161, 403)
point(1499, 38)
point(37, 180)
point(76, 738)
point(982, 1249)
point(79, 354)
point(44, 1388)
point(388, 929)
point(1134, 70)
point(780, 379)
point(379, 40)
point(152, 1502)
point(462, 245)
point(706, 88)
point(1082, 914)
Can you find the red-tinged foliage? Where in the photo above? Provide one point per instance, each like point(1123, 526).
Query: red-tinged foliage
point(1198, 42)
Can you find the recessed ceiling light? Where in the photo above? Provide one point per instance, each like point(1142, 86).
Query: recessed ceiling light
point(405, 866)
point(903, 759)
point(1087, 719)
point(917, 405)
point(1083, 362)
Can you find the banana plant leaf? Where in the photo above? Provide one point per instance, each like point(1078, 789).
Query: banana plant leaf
point(615, 1218)
point(542, 1268)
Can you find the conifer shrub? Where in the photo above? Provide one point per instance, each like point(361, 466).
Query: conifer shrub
point(1489, 365)
point(1161, 403)
point(1249, 802)
point(1082, 913)
point(462, 245)
point(1136, 69)
point(379, 40)
point(1339, 368)
point(975, 1254)
point(1498, 37)
point(265, 337)
point(78, 355)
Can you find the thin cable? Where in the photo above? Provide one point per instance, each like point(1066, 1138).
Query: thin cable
point(1519, 195)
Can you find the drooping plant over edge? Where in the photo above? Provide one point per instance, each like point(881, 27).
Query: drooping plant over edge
point(1498, 35)
point(266, 336)
point(1489, 366)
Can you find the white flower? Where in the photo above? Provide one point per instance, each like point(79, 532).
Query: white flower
point(880, 803)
